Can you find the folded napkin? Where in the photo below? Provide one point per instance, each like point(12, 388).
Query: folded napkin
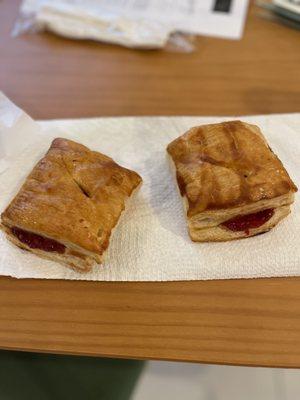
point(151, 242)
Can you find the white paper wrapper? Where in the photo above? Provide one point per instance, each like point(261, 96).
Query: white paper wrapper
point(151, 242)
point(135, 23)
point(100, 20)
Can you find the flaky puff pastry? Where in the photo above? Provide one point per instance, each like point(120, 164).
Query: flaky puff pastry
point(69, 204)
point(232, 184)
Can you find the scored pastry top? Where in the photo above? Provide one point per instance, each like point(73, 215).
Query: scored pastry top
point(225, 165)
point(74, 195)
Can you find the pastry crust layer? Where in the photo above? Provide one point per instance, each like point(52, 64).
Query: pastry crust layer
point(74, 196)
point(226, 170)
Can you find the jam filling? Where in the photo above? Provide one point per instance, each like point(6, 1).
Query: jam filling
point(35, 241)
point(250, 221)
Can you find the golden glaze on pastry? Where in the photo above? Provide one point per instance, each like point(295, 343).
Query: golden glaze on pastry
point(226, 170)
point(74, 196)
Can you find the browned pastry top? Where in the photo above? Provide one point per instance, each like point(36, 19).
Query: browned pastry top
point(227, 165)
point(74, 195)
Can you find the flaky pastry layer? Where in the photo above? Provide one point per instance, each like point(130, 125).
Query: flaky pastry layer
point(228, 170)
point(74, 196)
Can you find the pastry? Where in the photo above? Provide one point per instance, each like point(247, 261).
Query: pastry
point(69, 204)
point(232, 184)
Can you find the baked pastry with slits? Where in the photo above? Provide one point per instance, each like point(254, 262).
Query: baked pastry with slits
point(232, 184)
point(69, 204)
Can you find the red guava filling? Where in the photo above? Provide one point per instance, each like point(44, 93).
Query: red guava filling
point(35, 241)
point(249, 221)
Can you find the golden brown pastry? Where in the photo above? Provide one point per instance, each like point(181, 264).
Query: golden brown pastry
point(69, 204)
point(232, 184)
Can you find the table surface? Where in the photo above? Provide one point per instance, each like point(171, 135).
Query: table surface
point(243, 322)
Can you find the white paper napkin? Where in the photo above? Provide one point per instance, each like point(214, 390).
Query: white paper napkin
point(151, 242)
